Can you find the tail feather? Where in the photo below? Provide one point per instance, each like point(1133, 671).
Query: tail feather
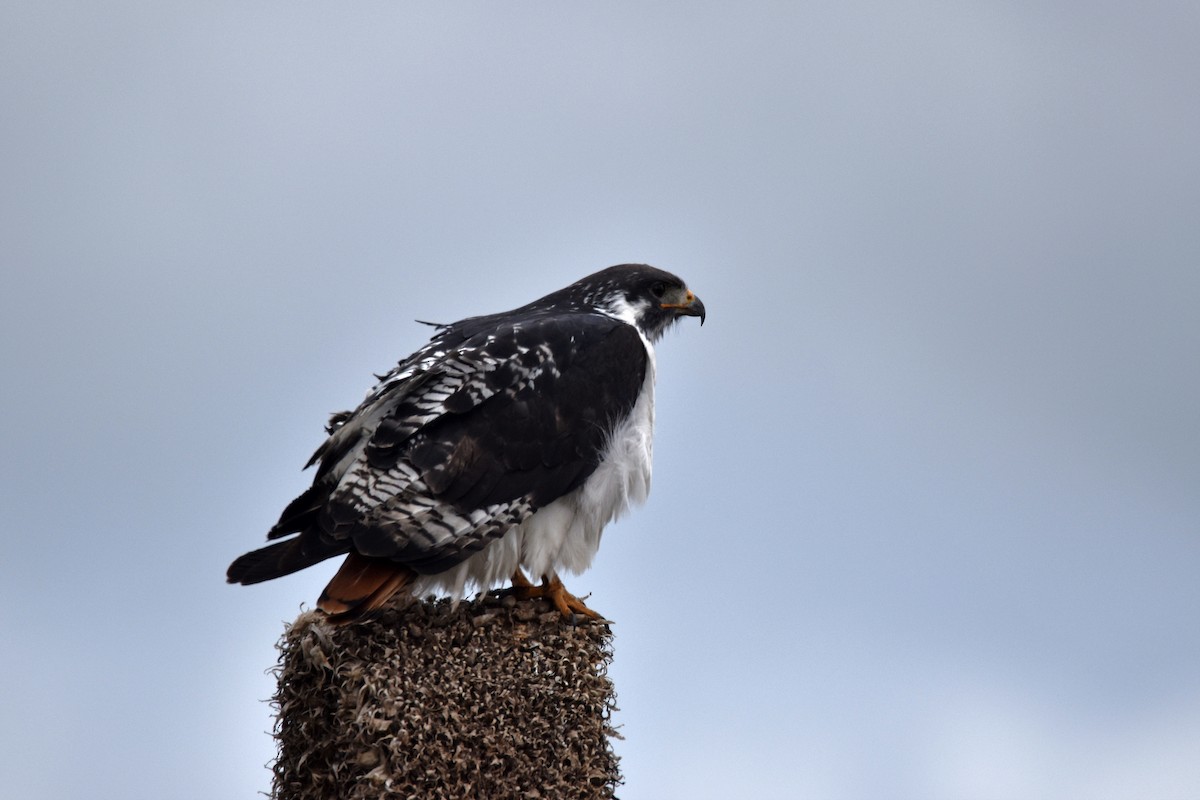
point(274, 561)
point(361, 585)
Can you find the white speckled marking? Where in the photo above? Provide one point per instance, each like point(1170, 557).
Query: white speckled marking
point(565, 535)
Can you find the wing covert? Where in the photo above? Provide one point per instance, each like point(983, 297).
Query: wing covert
point(508, 422)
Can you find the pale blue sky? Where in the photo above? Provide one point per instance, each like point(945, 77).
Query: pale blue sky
point(925, 521)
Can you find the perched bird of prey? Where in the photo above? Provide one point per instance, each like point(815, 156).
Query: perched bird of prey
point(503, 446)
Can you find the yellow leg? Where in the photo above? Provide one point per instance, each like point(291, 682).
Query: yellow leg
point(553, 590)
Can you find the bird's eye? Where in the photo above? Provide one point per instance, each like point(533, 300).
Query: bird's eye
point(658, 289)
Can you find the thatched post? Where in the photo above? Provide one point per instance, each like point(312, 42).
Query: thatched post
point(499, 699)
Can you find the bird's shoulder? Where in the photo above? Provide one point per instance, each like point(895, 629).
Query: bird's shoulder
point(538, 354)
point(498, 350)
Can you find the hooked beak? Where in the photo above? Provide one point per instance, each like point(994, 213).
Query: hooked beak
point(689, 305)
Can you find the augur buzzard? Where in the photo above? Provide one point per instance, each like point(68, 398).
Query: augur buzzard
point(505, 444)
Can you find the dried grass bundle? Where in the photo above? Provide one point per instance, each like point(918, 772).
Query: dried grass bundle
point(499, 699)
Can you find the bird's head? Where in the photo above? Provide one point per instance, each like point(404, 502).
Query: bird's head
point(649, 298)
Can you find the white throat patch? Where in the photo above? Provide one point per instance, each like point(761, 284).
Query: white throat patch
point(620, 308)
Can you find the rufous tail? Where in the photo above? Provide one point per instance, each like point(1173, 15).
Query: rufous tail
point(361, 585)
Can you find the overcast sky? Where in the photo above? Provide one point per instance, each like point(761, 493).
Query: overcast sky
point(926, 518)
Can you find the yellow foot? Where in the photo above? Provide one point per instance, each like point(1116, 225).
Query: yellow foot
point(553, 590)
